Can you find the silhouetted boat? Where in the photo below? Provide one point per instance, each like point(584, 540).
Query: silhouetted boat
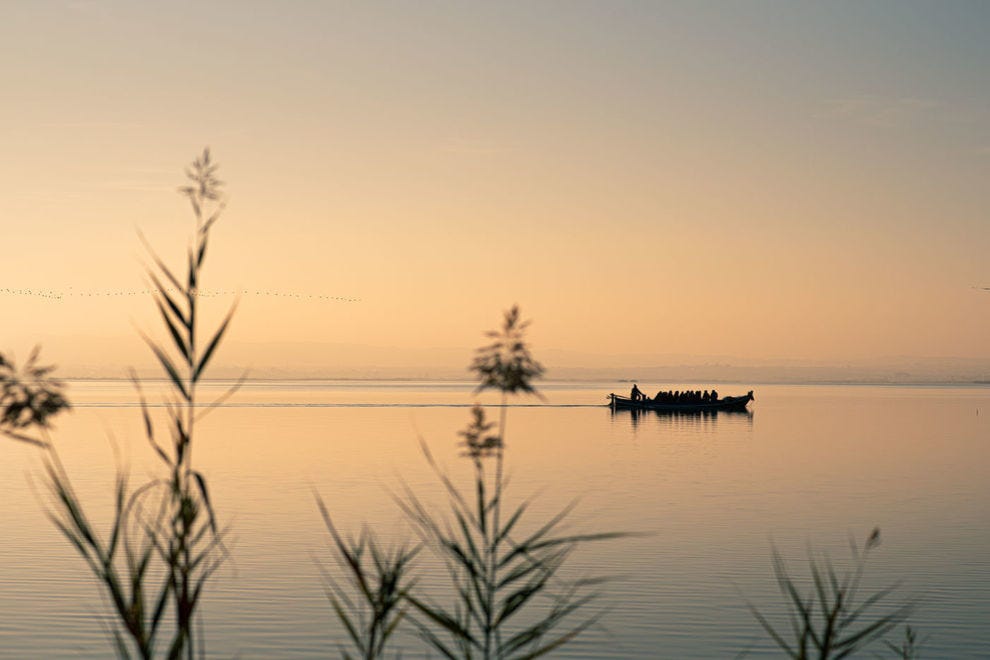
point(617, 402)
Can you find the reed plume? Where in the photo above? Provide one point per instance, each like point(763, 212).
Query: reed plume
point(29, 398)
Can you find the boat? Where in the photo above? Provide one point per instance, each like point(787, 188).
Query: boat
point(727, 403)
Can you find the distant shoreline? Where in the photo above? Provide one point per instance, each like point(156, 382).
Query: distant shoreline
point(554, 381)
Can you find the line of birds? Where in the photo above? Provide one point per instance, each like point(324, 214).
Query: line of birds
point(54, 294)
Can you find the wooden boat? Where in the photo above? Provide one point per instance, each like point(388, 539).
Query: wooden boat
point(727, 403)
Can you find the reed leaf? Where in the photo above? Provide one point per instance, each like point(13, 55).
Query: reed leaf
point(438, 644)
point(149, 427)
point(192, 276)
point(161, 295)
point(201, 254)
point(22, 437)
point(162, 268)
point(169, 368)
point(210, 220)
point(445, 621)
point(220, 400)
point(204, 491)
point(214, 342)
point(177, 338)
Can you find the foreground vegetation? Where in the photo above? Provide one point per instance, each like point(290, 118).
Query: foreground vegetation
point(508, 595)
point(833, 619)
point(509, 599)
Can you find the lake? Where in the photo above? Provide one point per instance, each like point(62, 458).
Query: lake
point(809, 467)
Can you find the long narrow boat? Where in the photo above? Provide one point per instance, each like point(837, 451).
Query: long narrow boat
point(617, 402)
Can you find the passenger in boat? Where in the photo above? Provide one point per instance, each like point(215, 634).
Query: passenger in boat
point(636, 394)
point(677, 396)
point(714, 398)
point(706, 397)
point(659, 397)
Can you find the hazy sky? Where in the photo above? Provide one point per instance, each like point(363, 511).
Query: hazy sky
point(753, 179)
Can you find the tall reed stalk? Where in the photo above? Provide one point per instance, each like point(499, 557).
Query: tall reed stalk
point(164, 542)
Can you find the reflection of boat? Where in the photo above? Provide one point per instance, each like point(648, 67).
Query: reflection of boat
point(726, 403)
point(683, 418)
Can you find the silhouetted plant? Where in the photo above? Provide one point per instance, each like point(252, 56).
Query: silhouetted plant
point(371, 603)
point(121, 564)
point(829, 622)
point(495, 576)
point(910, 646)
point(29, 398)
point(506, 364)
point(170, 519)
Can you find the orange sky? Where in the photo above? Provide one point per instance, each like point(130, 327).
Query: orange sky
point(758, 181)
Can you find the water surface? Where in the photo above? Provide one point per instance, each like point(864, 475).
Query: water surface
point(810, 466)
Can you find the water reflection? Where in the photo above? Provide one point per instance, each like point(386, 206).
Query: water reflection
point(715, 488)
point(681, 419)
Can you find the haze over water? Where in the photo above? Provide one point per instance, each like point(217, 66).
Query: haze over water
point(809, 466)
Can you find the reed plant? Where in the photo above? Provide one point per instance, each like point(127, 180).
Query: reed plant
point(29, 399)
point(164, 542)
point(509, 597)
point(371, 601)
point(909, 648)
point(833, 619)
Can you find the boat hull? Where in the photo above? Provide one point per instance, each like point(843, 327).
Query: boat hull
point(617, 402)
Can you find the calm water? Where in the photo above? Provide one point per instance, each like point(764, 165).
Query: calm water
point(808, 467)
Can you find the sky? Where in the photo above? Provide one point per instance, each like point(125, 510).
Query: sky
point(767, 182)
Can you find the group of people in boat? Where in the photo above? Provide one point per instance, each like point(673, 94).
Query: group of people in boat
point(687, 396)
